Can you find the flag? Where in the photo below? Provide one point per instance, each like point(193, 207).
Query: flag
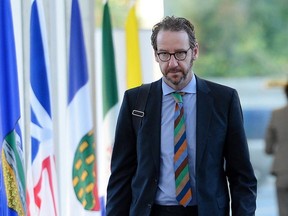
point(41, 175)
point(12, 176)
point(81, 193)
point(133, 62)
point(110, 101)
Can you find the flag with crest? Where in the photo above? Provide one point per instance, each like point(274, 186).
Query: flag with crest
point(80, 174)
point(12, 176)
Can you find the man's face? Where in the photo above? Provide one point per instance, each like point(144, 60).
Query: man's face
point(176, 73)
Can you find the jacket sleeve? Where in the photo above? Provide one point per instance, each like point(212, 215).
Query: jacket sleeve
point(123, 164)
point(241, 178)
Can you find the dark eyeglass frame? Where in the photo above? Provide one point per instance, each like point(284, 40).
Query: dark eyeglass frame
point(175, 54)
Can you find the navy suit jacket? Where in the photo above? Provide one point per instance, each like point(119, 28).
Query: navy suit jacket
point(223, 168)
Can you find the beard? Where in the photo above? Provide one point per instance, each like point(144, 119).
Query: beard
point(172, 78)
point(176, 82)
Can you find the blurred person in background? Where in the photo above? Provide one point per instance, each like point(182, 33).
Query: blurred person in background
point(277, 145)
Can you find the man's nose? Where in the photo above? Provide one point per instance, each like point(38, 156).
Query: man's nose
point(173, 61)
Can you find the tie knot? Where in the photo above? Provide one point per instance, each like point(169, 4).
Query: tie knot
point(178, 96)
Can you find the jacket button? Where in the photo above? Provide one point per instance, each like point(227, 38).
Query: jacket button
point(155, 180)
point(149, 206)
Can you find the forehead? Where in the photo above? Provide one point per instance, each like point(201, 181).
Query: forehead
point(171, 40)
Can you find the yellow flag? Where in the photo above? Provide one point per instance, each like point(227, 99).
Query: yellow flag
point(133, 63)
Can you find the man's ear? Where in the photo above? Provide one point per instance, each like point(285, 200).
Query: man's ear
point(156, 56)
point(195, 51)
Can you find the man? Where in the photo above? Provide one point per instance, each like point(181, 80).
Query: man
point(277, 144)
point(214, 157)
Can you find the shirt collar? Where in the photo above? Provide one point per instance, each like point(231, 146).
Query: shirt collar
point(190, 88)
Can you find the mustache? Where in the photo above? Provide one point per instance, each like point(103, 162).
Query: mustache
point(176, 69)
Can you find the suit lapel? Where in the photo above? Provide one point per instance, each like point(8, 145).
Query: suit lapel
point(203, 117)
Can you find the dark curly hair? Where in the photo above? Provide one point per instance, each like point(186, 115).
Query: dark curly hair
point(173, 24)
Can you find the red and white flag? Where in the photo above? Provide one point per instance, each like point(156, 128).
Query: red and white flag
point(42, 192)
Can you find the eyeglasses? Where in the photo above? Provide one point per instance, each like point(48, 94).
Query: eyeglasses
point(166, 56)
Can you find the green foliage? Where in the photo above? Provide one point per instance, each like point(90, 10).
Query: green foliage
point(237, 38)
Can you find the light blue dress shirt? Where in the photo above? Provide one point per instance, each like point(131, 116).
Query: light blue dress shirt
point(166, 193)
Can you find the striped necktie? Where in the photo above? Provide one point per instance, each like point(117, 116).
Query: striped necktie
point(182, 179)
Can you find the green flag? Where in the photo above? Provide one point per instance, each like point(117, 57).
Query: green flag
point(110, 103)
point(109, 89)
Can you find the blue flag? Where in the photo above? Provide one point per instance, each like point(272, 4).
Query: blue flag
point(12, 178)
